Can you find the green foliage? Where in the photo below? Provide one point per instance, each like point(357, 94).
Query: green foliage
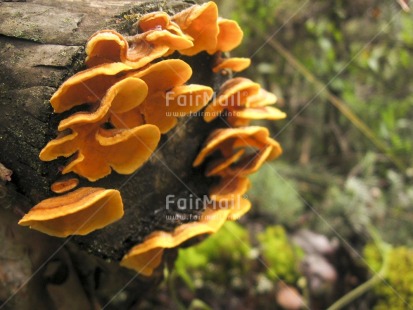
point(350, 207)
point(280, 256)
point(373, 257)
point(396, 290)
point(217, 258)
point(262, 10)
point(367, 69)
point(274, 195)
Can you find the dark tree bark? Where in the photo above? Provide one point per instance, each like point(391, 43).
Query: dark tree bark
point(41, 44)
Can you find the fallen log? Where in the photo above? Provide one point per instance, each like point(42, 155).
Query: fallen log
point(41, 45)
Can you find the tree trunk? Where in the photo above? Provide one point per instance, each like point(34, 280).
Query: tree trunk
point(41, 44)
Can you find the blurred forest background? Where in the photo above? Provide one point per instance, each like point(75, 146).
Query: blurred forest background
point(331, 223)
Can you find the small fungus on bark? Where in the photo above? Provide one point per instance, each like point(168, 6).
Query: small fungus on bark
point(65, 185)
point(235, 64)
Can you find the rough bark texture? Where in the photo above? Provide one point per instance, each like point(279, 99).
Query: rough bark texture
point(41, 44)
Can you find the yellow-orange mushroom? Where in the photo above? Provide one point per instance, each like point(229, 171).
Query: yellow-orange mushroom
point(88, 86)
point(145, 257)
point(167, 97)
point(65, 185)
point(229, 36)
point(245, 101)
point(227, 143)
point(76, 213)
point(99, 150)
point(200, 23)
point(235, 64)
point(233, 93)
point(109, 46)
point(229, 187)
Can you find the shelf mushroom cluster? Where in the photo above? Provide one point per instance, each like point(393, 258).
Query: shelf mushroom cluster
point(229, 154)
point(124, 107)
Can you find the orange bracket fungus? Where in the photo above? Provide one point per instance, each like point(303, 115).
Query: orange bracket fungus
point(113, 115)
point(235, 64)
point(98, 149)
point(229, 141)
point(79, 212)
point(200, 23)
point(244, 100)
point(63, 186)
point(145, 257)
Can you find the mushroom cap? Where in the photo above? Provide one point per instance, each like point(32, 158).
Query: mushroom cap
point(162, 109)
point(169, 39)
point(239, 208)
point(154, 20)
point(235, 64)
point(200, 23)
point(227, 139)
point(161, 30)
point(227, 144)
point(76, 213)
point(173, 72)
point(261, 113)
point(64, 145)
point(120, 98)
point(168, 98)
point(233, 93)
point(141, 52)
point(64, 185)
point(109, 46)
point(186, 99)
point(244, 116)
point(98, 150)
point(127, 150)
point(261, 99)
point(230, 36)
point(87, 86)
point(124, 150)
point(105, 46)
point(145, 257)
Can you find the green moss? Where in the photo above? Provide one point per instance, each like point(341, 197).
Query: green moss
point(275, 195)
point(396, 290)
point(280, 256)
point(220, 256)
